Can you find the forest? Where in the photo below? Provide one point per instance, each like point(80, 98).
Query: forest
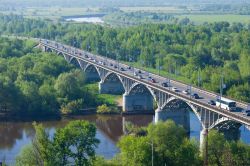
point(40, 84)
point(199, 54)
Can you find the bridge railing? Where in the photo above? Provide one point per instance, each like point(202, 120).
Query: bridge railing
point(199, 89)
point(155, 86)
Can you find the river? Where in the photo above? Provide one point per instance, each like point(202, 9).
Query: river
point(15, 135)
point(92, 18)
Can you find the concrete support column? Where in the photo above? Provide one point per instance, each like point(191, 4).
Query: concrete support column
point(115, 88)
point(180, 116)
point(157, 116)
point(137, 103)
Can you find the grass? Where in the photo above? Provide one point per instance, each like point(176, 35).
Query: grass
point(165, 9)
point(111, 100)
point(52, 13)
point(201, 18)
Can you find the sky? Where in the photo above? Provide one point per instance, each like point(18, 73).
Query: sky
point(118, 3)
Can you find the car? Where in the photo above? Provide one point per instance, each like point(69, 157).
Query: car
point(195, 96)
point(186, 92)
point(174, 89)
point(129, 67)
point(86, 56)
point(115, 66)
point(100, 62)
point(122, 69)
point(246, 112)
point(111, 64)
point(211, 102)
point(153, 80)
point(164, 84)
point(140, 77)
point(139, 71)
point(135, 74)
point(150, 78)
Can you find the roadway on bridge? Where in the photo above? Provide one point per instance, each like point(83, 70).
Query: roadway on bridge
point(205, 96)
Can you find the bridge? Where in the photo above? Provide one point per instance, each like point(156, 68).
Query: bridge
point(142, 89)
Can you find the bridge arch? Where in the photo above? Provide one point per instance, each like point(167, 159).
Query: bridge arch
point(75, 62)
point(141, 89)
point(139, 98)
point(173, 101)
point(111, 84)
point(92, 73)
point(60, 53)
point(223, 122)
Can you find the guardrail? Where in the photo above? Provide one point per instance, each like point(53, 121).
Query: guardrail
point(226, 113)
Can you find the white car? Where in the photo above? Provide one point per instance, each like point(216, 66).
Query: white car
point(174, 89)
point(186, 92)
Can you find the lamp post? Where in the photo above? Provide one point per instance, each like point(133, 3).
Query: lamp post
point(199, 78)
point(222, 86)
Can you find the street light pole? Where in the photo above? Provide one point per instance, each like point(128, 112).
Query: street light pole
point(152, 152)
point(221, 88)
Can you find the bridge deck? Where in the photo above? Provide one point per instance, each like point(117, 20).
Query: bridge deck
point(129, 73)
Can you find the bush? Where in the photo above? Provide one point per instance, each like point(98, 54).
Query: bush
point(103, 109)
point(72, 107)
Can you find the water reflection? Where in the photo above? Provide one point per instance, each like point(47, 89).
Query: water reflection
point(14, 135)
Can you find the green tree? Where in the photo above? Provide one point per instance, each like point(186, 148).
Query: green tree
point(77, 140)
point(135, 151)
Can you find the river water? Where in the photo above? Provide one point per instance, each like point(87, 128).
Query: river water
point(15, 135)
point(86, 19)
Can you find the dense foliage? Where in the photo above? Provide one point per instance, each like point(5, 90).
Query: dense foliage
point(164, 143)
point(37, 83)
point(210, 50)
point(72, 145)
point(172, 147)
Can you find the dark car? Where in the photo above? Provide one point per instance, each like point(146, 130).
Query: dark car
point(164, 84)
point(111, 64)
point(211, 102)
point(122, 69)
point(115, 66)
point(140, 77)
point(195, 96)
point(129, 67)
point(139, 71)
point(153, 80)
point(246, 112)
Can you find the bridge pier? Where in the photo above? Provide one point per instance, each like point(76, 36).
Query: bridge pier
point(115, 88)
point(179, 116)
point(138, 103)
